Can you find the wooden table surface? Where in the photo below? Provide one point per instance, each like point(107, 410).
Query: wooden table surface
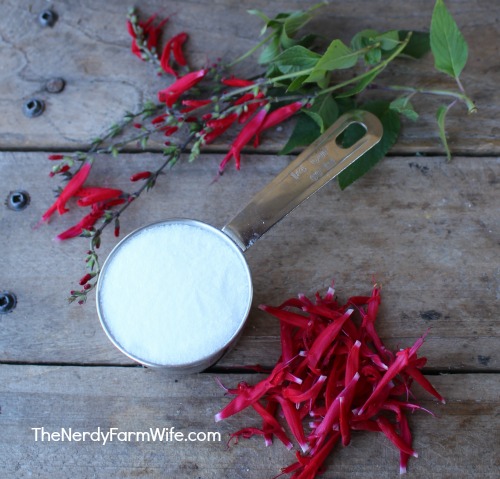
point(427, 229)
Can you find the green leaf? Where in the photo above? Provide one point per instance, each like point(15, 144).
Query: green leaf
point(326, 108)
point(305, 132)
point(363, 82)
point(363, 38)
point(338, 56)
point(317, 118)
point(404, 107)
point(271, 51)
point(296, 59)
point(263, 16)
point(447, 42)
point(291, 25)
point(391, 124)
point(418, 46)
point(295, 22)
point(296, 83)
point(441, 117)
point(388, 40)
point(373, 56)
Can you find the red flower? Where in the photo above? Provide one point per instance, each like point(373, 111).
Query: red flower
point(151, 34)
point(59, 170)
point(159, 119)
point(90, 196)
point(245, 135)
point(56, 157)
point(278, 116)
point(85, 279)
point(218, 127)
point(142, 175)
point(169, 130)
point(174, 45)
point(191, 105)
point(171, 94)
point(69, 191)
point(237, 82)
point(251, 105)
point(88, 221)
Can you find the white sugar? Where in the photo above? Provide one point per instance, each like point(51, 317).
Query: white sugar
point(174, 293)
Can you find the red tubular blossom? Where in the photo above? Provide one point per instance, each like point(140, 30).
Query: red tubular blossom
point(86, 223)
point(293, 420)
point(190, 105)
point(388, 429)
point(396, 367)
point(97, 195)
point(243, 99)
point(251, 107)
point(312, 467)
point(151, 34)
point(85, 279)
point(173, 46)
point(55, 157)
point(218, 127)
point(326, 338)
point(62, 169)
point(245, 135)
point(158, 119)
point(177, 43)
point(69, 191)
point(170, 130)
point(272, 424)
point(142, 175)
point(352, 365)
point(406, 436)
point(237, 82)
point(171, 94)
point(278, 116)
point(424, 382)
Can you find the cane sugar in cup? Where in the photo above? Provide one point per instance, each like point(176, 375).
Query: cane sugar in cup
point(175, 294)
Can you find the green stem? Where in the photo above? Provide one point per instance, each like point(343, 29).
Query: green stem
point(431, 91)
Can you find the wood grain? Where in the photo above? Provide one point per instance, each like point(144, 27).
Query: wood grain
point(89, 48)
point(428, 231)
point(462, 442)
point(425, 229)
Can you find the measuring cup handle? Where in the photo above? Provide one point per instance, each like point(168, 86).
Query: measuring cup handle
point(322, 161)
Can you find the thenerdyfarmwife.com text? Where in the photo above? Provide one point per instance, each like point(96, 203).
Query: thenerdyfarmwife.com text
point(114, 434)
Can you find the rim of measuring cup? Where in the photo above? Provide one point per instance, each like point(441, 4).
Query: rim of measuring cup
point(206, 361)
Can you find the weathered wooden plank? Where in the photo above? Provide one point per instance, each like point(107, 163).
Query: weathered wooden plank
point(462, 442)
point(89, 48)
point(427, 230)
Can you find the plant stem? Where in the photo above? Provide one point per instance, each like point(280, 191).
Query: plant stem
point(431, 91)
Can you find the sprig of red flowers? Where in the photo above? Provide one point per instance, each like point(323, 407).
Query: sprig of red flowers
point(334, 376)
point(201, 105)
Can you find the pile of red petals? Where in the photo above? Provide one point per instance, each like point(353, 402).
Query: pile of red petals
point(334, 376)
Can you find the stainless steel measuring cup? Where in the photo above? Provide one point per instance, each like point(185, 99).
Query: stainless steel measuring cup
point(175, 321)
